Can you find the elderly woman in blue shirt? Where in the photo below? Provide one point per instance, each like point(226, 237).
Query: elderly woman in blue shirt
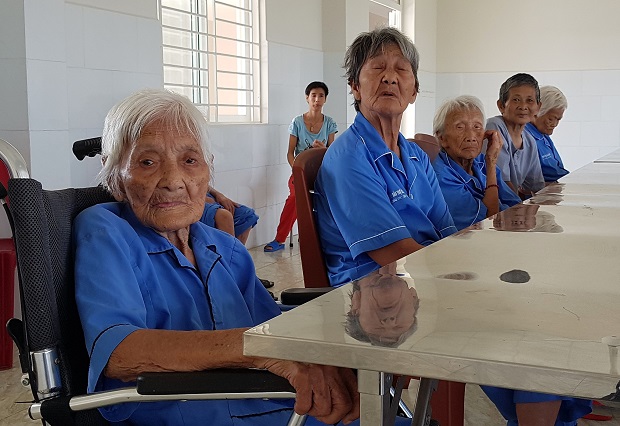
point(471, 182)
point(377, 196)
point(157, 290)
point(553, 105)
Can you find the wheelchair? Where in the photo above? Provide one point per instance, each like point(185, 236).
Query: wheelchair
point(49, 337)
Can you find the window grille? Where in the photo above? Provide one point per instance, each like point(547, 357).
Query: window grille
point(211, 54)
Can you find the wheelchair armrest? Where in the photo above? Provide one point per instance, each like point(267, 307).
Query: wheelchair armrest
point(200, 385)
point(299, 296)
point(212, 381)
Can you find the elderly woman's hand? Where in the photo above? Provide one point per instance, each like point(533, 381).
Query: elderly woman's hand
point(327, 393)
point(494, 146)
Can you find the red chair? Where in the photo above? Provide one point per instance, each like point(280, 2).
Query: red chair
point(447, 403)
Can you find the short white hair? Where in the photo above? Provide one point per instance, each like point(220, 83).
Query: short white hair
point(551, 98)
point(463, 102)
point(127, 120)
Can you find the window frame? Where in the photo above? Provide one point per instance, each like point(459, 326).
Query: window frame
point(203, 62)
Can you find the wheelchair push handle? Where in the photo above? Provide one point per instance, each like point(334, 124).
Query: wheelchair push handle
point(87, 147)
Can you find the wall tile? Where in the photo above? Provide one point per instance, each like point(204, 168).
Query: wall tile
point(13, 83)
point(50, 158)
point(149, 50)
point(610, 108)
point(12, 34)
point(125, 83)
point(601, 83)
point(106, 49)
point(47, 95)
point(311, 68)
point(74, 35)
point(45, 30)
point(600, 134)
point(569, 82)
point(568, 133)
point(88, 104)
point(584, 108)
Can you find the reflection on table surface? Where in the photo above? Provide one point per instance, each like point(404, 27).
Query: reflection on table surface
point(528, 299)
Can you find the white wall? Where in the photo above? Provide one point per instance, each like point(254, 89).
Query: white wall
point(567, 43)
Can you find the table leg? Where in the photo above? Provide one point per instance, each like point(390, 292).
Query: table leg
point(374, 388)
point(421, 412)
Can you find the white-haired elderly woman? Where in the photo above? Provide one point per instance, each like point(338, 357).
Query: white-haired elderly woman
point(553, 105)
point(377, 196)
point(471, 182)
point(157, 290)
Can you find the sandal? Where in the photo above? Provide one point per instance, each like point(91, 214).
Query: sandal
point(266, 283)
point(273, 246)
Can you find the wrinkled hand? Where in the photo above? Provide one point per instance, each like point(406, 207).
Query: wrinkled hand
point(327, 393)
point(494, 146)
point(226, 202)
point(318, 144)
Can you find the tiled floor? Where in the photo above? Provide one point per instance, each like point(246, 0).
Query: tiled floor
point(284, 268)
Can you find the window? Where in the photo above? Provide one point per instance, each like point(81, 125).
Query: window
point(211, 53)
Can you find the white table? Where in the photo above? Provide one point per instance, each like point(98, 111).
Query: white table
point(553, 333)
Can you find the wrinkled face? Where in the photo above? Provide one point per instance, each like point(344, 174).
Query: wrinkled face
point(521, 106)
point(316, 99)
point(386, 84)
point(463, 134)
point(386, 307)
point(547, 123)
point(164, 178)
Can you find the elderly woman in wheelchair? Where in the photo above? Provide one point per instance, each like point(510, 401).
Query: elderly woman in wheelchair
point(159, 291)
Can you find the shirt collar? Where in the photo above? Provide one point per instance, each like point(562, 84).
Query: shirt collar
point(536, 134)
point(460, 171)
point(154, 242)
point(375, 144)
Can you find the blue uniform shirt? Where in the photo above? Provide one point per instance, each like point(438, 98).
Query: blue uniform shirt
point(464, 193)
point(244, 217)
point(367, 198)
point(128, 277)
point(550, 160)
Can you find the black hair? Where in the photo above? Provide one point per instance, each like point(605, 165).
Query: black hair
point(517, 80)
point(317, 85)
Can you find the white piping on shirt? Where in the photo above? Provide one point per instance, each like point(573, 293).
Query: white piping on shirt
point(376, 235)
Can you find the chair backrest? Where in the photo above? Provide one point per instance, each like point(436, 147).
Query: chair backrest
point(428, 143)
point(305, 169)
point(41, 222)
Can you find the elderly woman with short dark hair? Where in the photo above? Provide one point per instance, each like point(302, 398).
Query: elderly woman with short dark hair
point(377, 196)
point(553, 105)
point(157, 290)
point(471, 182)
point(519, 102)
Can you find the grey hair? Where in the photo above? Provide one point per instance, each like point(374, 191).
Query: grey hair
point(517, 80)
point(127, 120)
point(551, 98)
point(369, 44)
point(463, 102)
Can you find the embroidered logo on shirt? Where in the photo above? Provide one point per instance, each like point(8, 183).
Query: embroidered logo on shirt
point(399, 194)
